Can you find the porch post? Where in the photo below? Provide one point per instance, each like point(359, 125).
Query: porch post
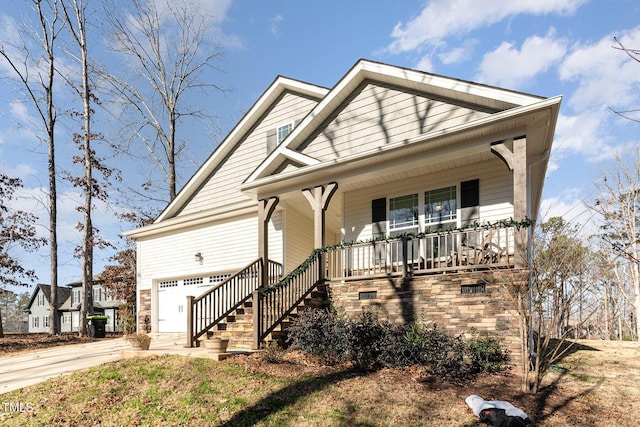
point(265, 210)
point(516, 160)
point(319, 199)
point(520, 198)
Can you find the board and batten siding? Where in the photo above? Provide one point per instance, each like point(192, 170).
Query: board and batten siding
point(496, 195)
point(225, 247)
point(223, 187)
point(40, 312)
point(377, 116)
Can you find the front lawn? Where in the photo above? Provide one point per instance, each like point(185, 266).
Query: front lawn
point(598, 387)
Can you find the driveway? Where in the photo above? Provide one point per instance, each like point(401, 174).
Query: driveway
point(26, 369)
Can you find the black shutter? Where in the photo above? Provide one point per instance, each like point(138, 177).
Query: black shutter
point(379, 216)
point(469, 202)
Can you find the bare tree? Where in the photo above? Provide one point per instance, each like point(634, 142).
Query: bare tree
point(635, 55)
point(552, 301)
point(164, 46)
point(618, 203)
point(17, 230)
point(75, 15)
point(40, 92)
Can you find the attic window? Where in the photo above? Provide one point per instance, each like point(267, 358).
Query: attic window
point(283, 131)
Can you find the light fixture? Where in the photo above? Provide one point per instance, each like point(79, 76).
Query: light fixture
point(199, 257)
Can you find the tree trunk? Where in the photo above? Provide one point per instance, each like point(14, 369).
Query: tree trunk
point(171, 155)
point(54, 320)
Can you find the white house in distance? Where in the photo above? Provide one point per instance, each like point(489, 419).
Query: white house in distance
point(69, 305)
point(418, 186)
point(38, 308)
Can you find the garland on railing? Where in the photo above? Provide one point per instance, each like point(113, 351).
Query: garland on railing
point(304, 266)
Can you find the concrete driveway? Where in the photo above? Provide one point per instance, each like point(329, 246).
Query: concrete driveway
point(26, 369)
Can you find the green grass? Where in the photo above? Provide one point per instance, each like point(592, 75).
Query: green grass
point(179, 391)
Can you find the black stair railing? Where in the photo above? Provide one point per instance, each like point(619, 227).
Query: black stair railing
point(210, 308)
point(272, 304)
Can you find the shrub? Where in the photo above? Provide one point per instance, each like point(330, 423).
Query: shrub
point(367, 343)
point(442, 356)
point(314, 332)
point(487, 355)
point(361, 340)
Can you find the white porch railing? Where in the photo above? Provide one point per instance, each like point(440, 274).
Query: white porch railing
point(436, 252)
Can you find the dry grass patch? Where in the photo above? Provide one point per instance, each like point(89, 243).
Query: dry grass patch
point(599, 388)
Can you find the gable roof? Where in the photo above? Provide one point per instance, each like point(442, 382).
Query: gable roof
point(63, 294)
point(513, 111)
point(508, 106)
point(490, 97)
point(274, 91)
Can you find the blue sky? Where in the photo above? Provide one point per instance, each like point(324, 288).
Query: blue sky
point(547, 48)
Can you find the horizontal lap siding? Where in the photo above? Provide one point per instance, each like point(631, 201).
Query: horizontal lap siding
point(496, 195)
point(378, 116)
point(225, 246)
point(224, 186)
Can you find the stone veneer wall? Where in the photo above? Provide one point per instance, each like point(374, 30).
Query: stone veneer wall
point(438, 299)
point(144, 308)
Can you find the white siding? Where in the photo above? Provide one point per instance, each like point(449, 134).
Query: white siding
point(299, 239)
point(496, 195)
point(225, 246)
point(378, 116)
point(39, 310)
point(224, 185)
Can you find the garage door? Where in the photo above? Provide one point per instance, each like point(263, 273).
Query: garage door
point(171, 306)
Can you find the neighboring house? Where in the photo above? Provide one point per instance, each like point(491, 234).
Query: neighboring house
point(70, 301)
point(38, 308)
point(398, 161)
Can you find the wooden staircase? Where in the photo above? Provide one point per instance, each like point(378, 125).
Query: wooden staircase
point(237, 327)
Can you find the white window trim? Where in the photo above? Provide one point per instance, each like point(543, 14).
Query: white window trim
point(278, 140)
point(422, 224)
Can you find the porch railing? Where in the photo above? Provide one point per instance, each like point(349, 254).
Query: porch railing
point(273, 304)
point(210, 308)
point(473, 248)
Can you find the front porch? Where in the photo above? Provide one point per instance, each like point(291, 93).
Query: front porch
point(454, 278)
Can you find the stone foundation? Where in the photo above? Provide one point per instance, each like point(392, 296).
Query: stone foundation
point(144, 310)
point(439, 299)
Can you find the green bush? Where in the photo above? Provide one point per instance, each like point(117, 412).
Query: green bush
point(315, 332)
point(367, 343)
point(487, 355)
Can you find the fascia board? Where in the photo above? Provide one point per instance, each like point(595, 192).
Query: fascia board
point(195, 219)
point(280, 85)
point(447, 86)
point(317, 115)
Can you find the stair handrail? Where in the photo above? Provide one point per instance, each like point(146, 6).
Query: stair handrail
point(272, 304)
point(211, 307)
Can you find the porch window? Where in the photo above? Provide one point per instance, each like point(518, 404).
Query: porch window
point(440, 206)
point(403, 213)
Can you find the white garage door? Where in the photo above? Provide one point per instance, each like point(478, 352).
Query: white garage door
point(171, 307)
